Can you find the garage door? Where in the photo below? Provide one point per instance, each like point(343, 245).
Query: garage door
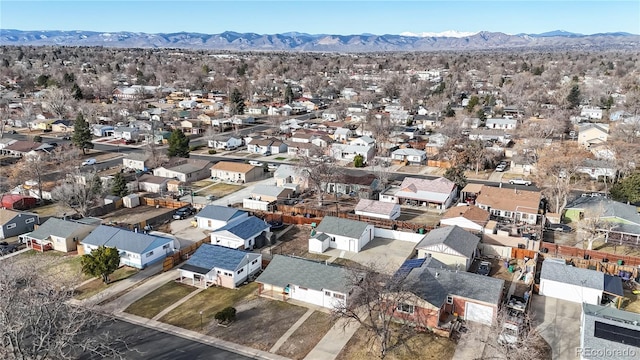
point(478, 313)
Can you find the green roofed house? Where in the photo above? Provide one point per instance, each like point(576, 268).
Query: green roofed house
point(623, 219)
point(305, 280)
point(341, 234)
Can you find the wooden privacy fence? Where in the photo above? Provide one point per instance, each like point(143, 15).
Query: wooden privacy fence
point(439, 164)
point(165, 203)
point(176, 258)
point(517, 253)
point(555, 250)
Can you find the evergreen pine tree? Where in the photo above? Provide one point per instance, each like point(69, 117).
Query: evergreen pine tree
point(574, 97)
point(82, 134)
point(119, 187)
point(236, 105)
point(178, 144)
point(288, 95)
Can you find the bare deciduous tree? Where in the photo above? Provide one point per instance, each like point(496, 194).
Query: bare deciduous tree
point(80, 192)
point(319, 172)
point(57, 101)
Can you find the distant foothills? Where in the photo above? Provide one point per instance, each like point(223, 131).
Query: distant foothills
point(294, 41)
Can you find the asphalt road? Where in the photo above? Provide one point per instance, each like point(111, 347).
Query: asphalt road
point(144, 343)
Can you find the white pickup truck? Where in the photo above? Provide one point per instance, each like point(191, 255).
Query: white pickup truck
point(519, 181)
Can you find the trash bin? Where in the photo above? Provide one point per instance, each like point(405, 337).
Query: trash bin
point(511, 268)
point(421, 231)
point(620, 262)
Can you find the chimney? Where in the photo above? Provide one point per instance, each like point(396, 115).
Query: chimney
point(437, 274)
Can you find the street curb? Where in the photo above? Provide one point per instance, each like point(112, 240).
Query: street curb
point(201, 338)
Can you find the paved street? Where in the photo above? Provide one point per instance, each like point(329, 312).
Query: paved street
point(145, 343)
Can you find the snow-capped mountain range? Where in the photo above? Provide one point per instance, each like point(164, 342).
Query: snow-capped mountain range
point(296, 41)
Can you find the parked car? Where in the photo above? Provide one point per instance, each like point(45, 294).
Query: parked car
point(272, 167)
point(6, 248)
point(560, 227)
point(184, 213)
point(484, 268)
point(89, 162)
point(255, 163)
point(593, 194)
point(66, 137)
point(12, 132)
point(519, 181)
point(501, 168)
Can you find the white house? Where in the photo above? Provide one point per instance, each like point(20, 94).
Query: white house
point(342, 234)
point(225, 142)
point(136, 161)
point(241, 234)
point(136, 249)
point(377, 209)
point(213, 217)
point(468, 217)
point(591, 112)
point(562, 281)
point(220, 266)
point(349, 152)
point(502, 123)
point(411, 156)
point(305, 280)
point(451, 245)
point(152, 184)
point(438, 193)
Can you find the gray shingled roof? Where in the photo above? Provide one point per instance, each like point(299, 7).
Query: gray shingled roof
point(210, 256)
point(557, 270)
point(268, 190)
point(246, 228)
point(121, 239)
point(342, 227)
point(285, 270)
point(610, 208)
point(218, 212)
point(454, 237)
point(435, 284)
point(57, 227)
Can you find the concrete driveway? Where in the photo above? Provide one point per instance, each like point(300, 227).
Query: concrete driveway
point(387, 253)
point(185, 232)
point(558, 321)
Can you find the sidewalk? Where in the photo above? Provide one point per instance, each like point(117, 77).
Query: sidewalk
point(334, 340)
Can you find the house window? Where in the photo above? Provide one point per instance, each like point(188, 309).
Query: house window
point(11, 226)
point(29, 221)
point(449, 299)
point(302, 288)
point(405, 308)
point(507, 214)
point(254, 262)
point(333, 239)
point(338, 296)
point(218, 271)
point(327, 293)
point(240, 271)
point(150, 253)
point(165, 246)
point(208, 223)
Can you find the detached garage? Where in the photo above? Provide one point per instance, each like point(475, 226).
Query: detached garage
point(566, 282)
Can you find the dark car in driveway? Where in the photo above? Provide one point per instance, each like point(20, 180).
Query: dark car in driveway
point(560, 227)
point(184, 213)
point(484, 268)
point(6, 248)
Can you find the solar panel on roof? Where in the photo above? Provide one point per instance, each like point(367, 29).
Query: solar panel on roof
point(617, 334)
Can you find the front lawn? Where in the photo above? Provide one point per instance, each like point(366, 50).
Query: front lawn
point(423, 345)
point(209, 301)
point(219, 190)
point(307, 336)
point(97, 285)
point(63, 269)
point(159, 299)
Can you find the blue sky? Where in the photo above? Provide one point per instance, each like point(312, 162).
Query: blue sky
point(328, 16)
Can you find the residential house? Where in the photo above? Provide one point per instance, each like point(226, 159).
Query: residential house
point(437, 294)
point(4, 142)
point(341, 234)
point(266, 146)
point(343, 134)
point(363, 141)
point(185, 171)
point(14, 223)
point(349, 152)
point(62, 126)
point(330, 115)
point(152, 184)
point(126, 133)
point(213, 265)
point(305, 280)
point(377, 209)
point(17, 202)
point(225, 142)
point(597, 169)
point(514, 204)
point(61, 234)
point(498, 135)
point(501, 123)
point(436, 194)
point(291, 177)
point(322, 141)
point(247, 233)
point(566, 282)
point(136, 249)
point(435, 143)
point(451, 245)
point(191, 126)
point(271, 193)
point(410, 156)
point(303, 137)
point(21, 148)
point(257, 110)
point(607, 332)
point(593, 134)
point(213, 217)
point(136, 161)
point(619, 221)
point(242, 120)
point(468, 217)
point(364, 186)
point(591, 112)
point(236, 172)
point(302, 149)
point(103, 130)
